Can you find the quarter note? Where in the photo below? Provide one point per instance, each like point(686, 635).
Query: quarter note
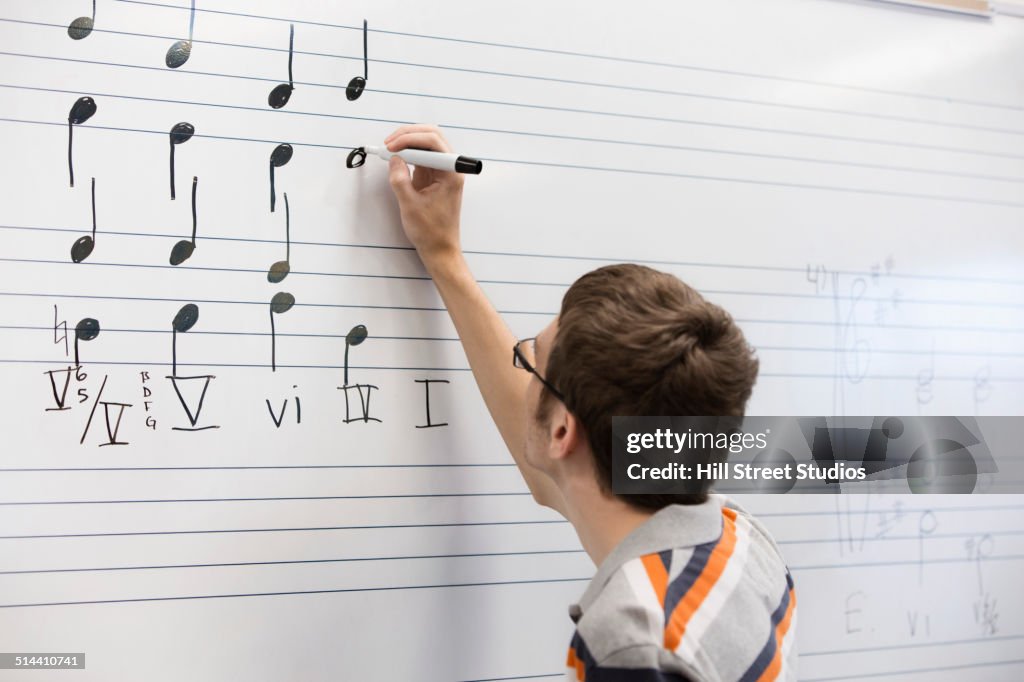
point(279, 270)
point(182, 251)
point(81, 111)
point(83, 246)
point(183, 321)
point(87, 329)
point(281, 155)
point(358, 84)
point(82, 26)
point(179, 52)
point(281, 303)
point(280, 95)
point(180, 134)
point(355, 336)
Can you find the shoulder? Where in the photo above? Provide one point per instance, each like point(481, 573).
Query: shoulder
point(721, 610)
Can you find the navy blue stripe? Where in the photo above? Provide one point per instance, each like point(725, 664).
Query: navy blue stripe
point(684, 581)
point(768, 651)
point(666, 561)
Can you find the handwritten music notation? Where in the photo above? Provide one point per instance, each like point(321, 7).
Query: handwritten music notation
point(193, 390)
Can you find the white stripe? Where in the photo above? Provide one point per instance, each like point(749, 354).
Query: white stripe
point(570, 675)
point(789, 650)
point(705, 615)
point(640, 583)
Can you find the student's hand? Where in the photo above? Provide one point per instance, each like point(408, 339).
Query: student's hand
point(430, 200)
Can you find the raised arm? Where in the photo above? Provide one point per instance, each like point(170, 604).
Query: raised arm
point(430, 203)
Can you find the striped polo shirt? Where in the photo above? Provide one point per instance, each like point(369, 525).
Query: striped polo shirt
point(696, 593)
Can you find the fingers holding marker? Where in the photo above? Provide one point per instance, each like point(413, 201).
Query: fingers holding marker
point(430, 140)
point(413, 128)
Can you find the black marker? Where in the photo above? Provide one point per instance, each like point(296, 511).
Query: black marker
point(419, 157)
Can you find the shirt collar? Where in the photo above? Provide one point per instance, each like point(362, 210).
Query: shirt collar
point(676, 525)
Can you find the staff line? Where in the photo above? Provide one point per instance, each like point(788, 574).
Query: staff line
point(552, 313)
point(916, 378)
point(607, 169)
point(453, 339)
point(627, 60)
point(551, 256)
point(909, 538)
point(562, 285)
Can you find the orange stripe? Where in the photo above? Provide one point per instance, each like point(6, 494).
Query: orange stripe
point(657, 574)
point(772, 671)
point(573, 662)
point(713, 569)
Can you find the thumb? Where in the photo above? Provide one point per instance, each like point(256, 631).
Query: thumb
point(401, 181)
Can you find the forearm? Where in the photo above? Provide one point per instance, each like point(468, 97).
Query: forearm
point(488, 343)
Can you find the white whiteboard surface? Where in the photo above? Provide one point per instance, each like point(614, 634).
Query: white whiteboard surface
point(845, 178)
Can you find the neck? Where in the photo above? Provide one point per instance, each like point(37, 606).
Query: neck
point(601, 521)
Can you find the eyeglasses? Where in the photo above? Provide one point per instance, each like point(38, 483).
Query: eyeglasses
point(524, 357)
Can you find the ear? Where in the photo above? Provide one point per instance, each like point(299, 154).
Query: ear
point(566, 433)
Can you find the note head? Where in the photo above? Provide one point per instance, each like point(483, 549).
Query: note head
point(82, 110)
point(278, 271)
point(356, 158)
point(182, 132)
point(281, 155)
point(178, 54)
point(87, 329)
point(81, 249)
point(186, 317)
point(356, 335)
point(80, 28)
point(280, 95)
point(355, 88)
point(282, 302)
point(182, 251)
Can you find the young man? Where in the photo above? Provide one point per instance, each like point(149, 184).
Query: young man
point(689, 587)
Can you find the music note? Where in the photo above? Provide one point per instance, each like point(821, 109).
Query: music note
point(180, 134)
point(183, 321)
point(280, 95)
point(83, 246)
point(281, 303)
point(358, 84)
point(182, 251)
point(191, 390)
point(87, 329)
point(279, 270)
point(179, 52)
point(81, 111)
point(355, 336)
point(281, 155)
point(82, 26)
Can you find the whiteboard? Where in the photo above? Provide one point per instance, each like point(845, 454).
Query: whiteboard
point(844, 177)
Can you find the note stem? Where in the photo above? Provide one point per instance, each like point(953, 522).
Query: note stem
point(71, 163)
point(94, 210)
point(195, 185)
point(273, 344)
point(291, 43)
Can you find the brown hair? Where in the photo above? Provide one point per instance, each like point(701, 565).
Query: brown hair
point(633, 341)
